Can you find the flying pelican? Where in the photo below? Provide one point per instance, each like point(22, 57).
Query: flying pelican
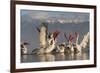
point(24, 48)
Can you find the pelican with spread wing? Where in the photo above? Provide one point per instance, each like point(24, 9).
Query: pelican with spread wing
point(76, 47)
point(63, 47)
point(83, 44)
point(47, 41)
point(52, 42)
point(69, 46)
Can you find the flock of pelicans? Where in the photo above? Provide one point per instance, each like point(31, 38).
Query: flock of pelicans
point(63, 47)
point(53, 47)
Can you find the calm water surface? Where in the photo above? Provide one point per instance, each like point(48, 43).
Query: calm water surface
point(54, 57)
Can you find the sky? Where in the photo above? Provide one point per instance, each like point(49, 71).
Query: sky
point(69, 22)
point(56, 16)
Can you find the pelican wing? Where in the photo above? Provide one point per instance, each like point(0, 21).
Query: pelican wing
point(65, 37)
point(55, 34)
point(85, 40)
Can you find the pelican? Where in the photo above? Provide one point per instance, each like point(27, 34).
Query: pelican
point(24, 48)
point(69, 46)
point(78, 47)
point(47, 41)
point(65, 48)
point(61, 47)
point(51, 44)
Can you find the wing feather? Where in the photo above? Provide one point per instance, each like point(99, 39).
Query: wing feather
point(85, 40)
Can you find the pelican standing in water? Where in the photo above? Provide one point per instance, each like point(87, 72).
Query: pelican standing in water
point(24, 48)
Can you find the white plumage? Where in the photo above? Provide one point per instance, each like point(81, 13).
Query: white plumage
point(83, 44)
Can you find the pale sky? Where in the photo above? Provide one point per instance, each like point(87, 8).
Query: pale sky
point(55, 15)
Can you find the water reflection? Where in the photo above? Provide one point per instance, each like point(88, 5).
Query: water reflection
point(54, 57)
point(59, 56)
point(46, 57)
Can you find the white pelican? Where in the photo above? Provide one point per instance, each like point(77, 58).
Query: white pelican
point(51, 44)
point(47, 42)
point(69, 46)
point(61, 47)
point(24, 48)
point(78, 47)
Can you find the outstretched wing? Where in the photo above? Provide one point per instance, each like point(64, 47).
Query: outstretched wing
point(70, 37)
point(65, 37)
point(85, 40)
point(55, 34)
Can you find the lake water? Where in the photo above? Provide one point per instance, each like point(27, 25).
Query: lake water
point(54, 57)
